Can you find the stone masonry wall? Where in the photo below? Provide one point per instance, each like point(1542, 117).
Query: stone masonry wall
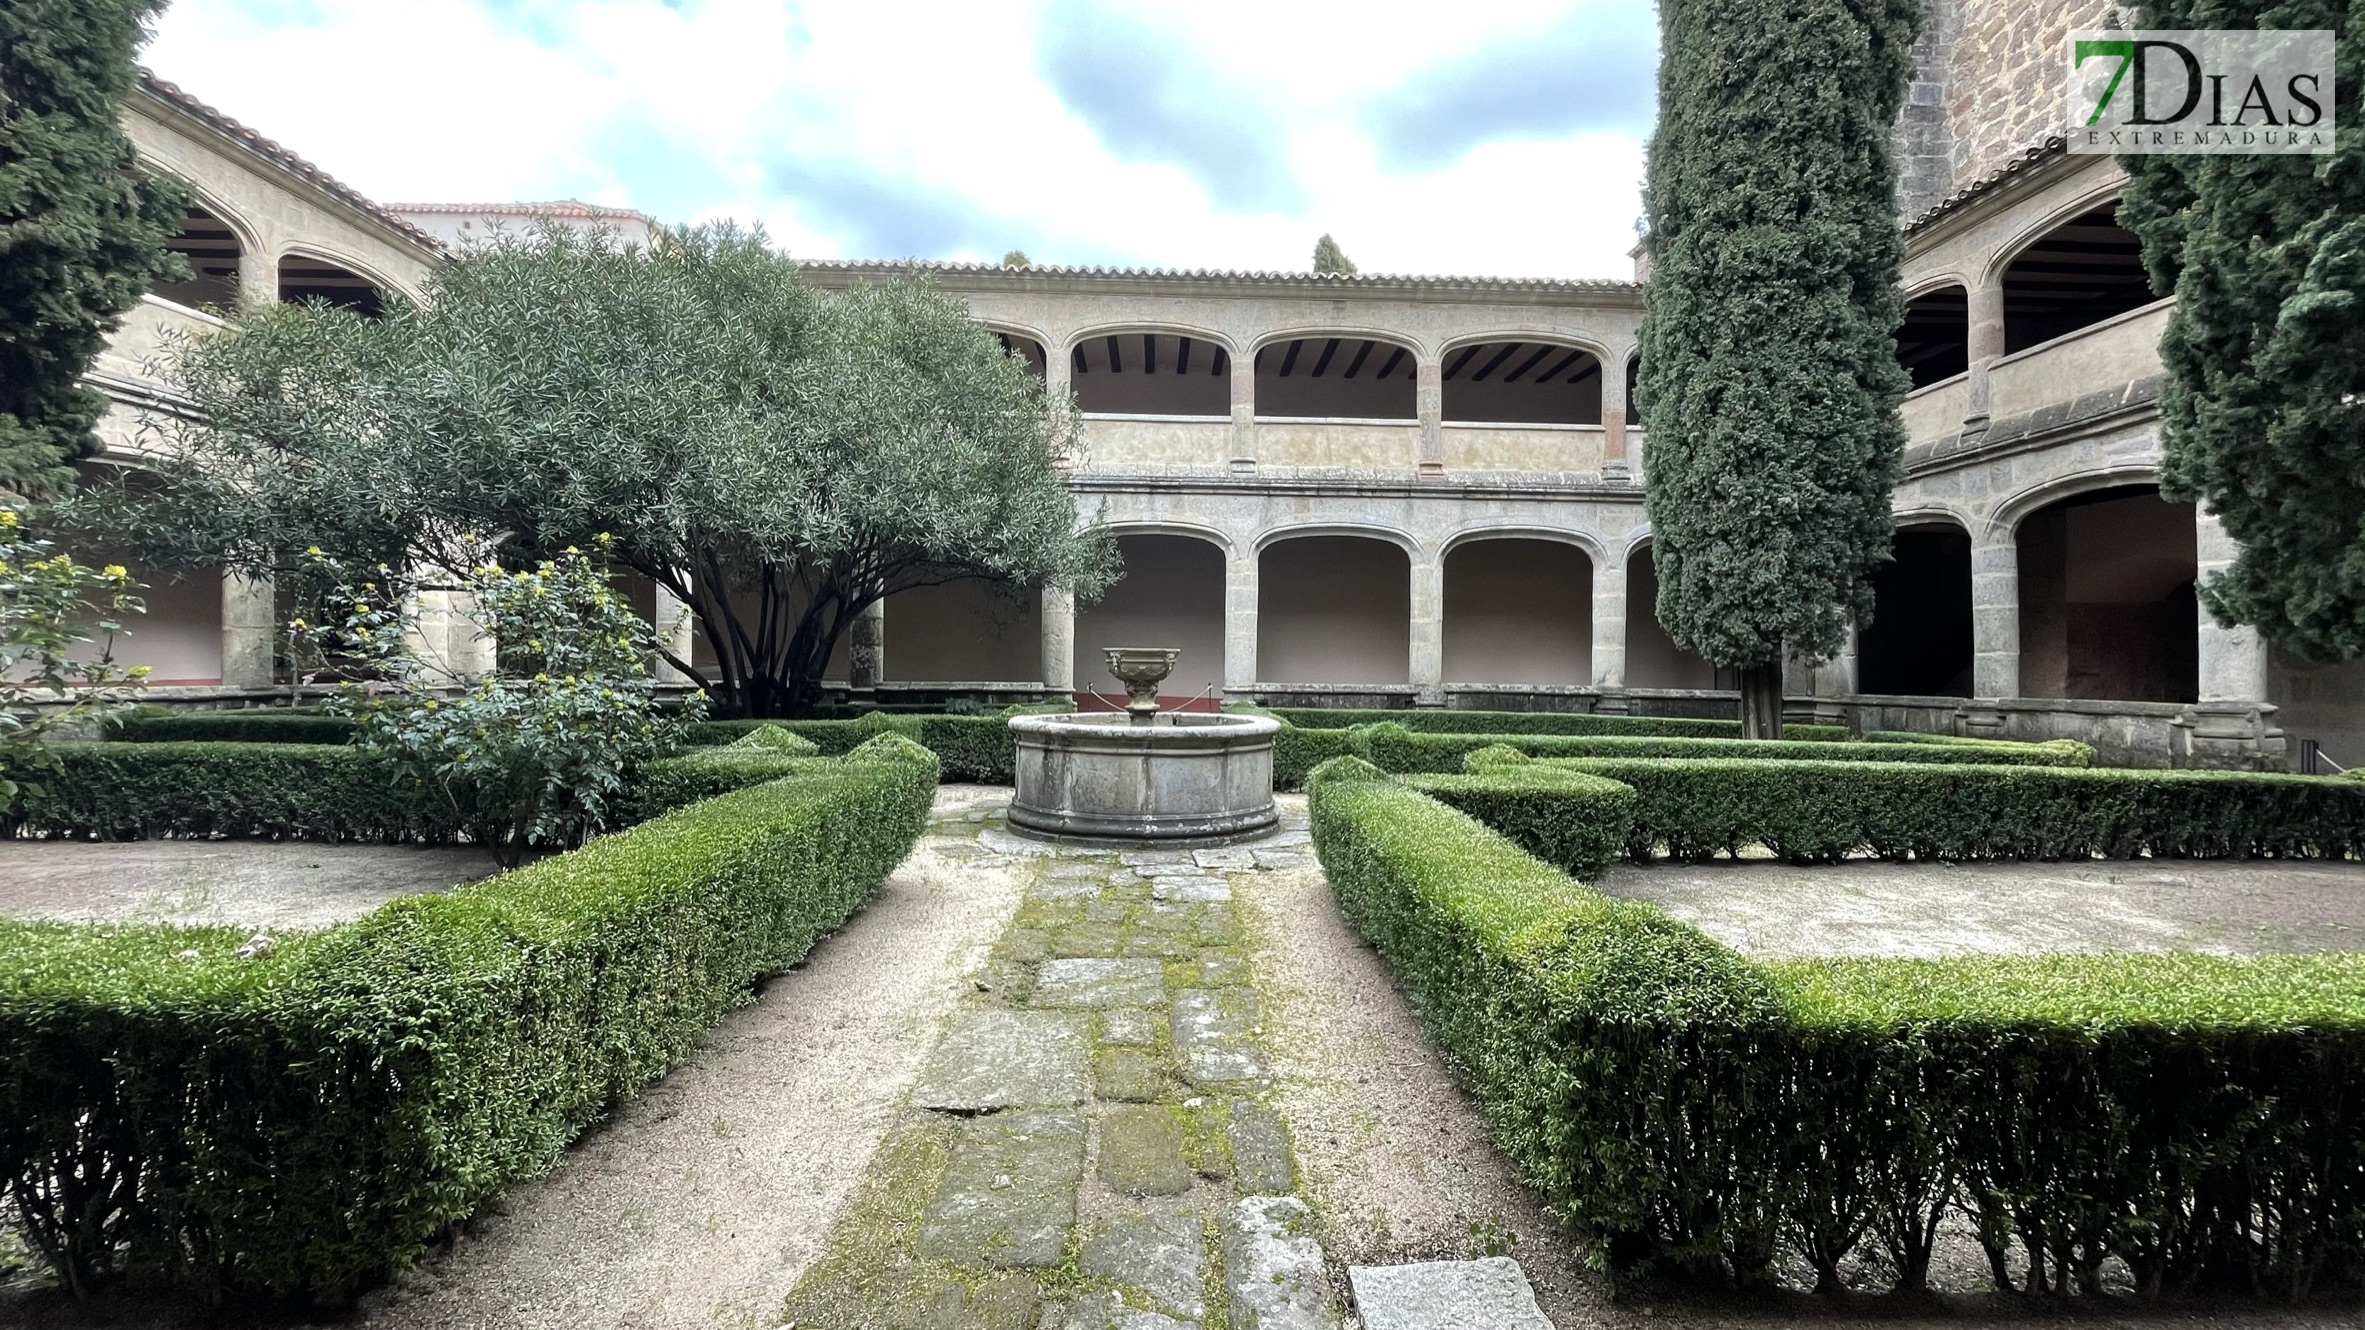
point(2003, 83)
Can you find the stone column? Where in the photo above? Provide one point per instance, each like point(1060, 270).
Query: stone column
point(1059, 640)
point(1428, 631)
point(250, 630)
point(866, 648)
point(1995, 612)
point(2232, 726)
point(1429, 404)
point(1986, 347)
point(1056, 386)
point(1609, 622)
point(1243, 415)
point(1613, 426)
point(676, 627)
point(258, 277)
point(1240, 613)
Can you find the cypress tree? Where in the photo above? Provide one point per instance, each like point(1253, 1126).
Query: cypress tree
point(1330, 259)
point(2265, 350)
point(82, 232)
point(1769, 378)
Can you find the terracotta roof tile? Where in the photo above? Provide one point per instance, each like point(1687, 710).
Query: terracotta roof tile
point(1238, 276)
point(172, 93)
point(2031, 157)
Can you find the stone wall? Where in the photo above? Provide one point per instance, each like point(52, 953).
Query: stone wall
point(2003, 85)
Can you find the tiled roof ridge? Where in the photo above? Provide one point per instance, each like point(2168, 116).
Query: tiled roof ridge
point(525, 208)
point(2027, 159)
point(180, 98)
point(1224, 274)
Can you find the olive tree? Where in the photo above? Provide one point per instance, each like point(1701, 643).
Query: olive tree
point(777, 457)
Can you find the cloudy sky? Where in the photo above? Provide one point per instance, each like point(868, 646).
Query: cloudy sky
point(1502, 139)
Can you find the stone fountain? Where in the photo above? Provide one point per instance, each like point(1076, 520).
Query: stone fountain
point(1143, 776)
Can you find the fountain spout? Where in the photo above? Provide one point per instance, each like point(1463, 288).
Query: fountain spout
point(1141, 670)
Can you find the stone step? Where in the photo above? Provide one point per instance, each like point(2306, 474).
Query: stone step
point(1273, 1267)
point(1488, 1294)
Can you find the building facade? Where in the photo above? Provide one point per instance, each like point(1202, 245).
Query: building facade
point(1427, 491)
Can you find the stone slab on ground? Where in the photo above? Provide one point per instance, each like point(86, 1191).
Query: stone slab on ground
point(1107, 1311)
point(267, 886)
point(1875, 908)
point(1100, 982)
point(1008, 1198)
point(1215, 1036)
point(1163, 1256)
point(1141, 1152)
point(1487, 1294)
point(995, 1057)
point(1260, 1148)
point(1137, 1027)
point(1129, 1076)
point(1273, 1267)
point(1203, 889)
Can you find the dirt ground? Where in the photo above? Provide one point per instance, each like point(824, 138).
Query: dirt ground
point(1873, 908)
point(264, 885)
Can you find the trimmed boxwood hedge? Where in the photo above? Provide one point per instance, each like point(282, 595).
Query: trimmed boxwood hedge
point(1428, 720)
point(1822, 811)
point(972, 748)
point(307, 1122)
point(264, 725)
point(1396, 749)
point(117, 791)
point(2200, 1118)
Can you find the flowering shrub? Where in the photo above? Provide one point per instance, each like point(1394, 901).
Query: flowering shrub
point(47, 608)
point(539, 750)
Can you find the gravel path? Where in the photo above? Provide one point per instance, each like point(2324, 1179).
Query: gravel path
point(1868, 907)
point(266, 885)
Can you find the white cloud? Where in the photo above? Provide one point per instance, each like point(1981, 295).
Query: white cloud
point(844, 127)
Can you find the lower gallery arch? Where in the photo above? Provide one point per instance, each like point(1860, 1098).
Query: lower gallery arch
point(1518, 611)
point(2106, 598)
point(1919, 640)
point(1653, 660)
point(970, 631)
point(1171, 594)
point(1334, 609)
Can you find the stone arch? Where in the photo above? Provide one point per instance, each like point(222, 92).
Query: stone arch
point(1594, 547)
point(1170, 595)
point(306, 271)
point(1334, 606)
point(1027, 346)
point(2008, 514)
point(1522, 378)
point(2103, 195)
point(1518, 607)
point(1919, 641)
point(1151, 369)
point(2081, 270)
point(1653, 660)
point(1396, 536)
point(2106, 579)
point(1337, 373)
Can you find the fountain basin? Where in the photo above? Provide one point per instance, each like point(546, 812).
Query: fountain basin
point(1178, 779)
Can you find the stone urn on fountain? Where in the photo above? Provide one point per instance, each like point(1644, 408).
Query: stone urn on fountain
point(1145, 776)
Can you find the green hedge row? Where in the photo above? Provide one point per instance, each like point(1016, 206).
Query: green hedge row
point(2200, 1118)
point(116, 791)
point(972, 748)
point(261, 725)
point(306, 1123)
point(1425, 720)
point(1821, 811)
point(1397, 749)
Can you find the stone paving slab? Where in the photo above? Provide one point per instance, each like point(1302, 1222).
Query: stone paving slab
point(1234, 858)
point(1215, 1036)
point(1488, 1294)
point(1134, 1027)
point(1273, 1267)
point(1008, 1197)
point(1107, 1311)
point(1162, 1255)
point(1260, 1148)
point(1141, 1152)
point(1100, 981)
point(995, 1057)
point(1191, 889)
point(1128, 1076)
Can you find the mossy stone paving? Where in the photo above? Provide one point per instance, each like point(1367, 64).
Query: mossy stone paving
point(1089, 1147)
